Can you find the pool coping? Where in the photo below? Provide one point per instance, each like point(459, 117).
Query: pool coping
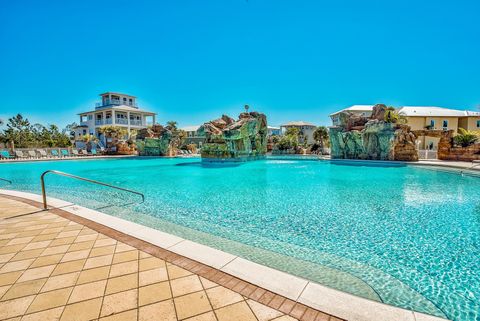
point(298, 290)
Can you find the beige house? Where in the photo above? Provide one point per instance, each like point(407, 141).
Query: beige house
point(115, 109)
point(420, 117)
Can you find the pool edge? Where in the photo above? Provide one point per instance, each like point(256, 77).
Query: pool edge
point(335, 302)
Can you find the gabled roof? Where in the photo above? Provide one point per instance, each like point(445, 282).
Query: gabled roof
point(355, 108)
point(433, 111)
point(298, 123)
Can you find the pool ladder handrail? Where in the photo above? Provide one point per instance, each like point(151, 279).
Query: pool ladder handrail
point(6, 180)
point(44, 193)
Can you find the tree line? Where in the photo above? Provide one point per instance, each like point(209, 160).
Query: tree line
point(23, 134)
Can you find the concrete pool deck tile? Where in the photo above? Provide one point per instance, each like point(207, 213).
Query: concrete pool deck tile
point(220, 296)
point(92, 275)
point(192, 304)
point(122, 283)
point(152, 276)
point(154, 293)
point(82, 311)
point(23, 289)
point(158, 311)
point(49, 300)
point(156, 237)
point(88, 291)
point(202, 253)
point(234, 312)
point(186, 285)
point(68, 267)
point(279, 282)
point(349, 306)
point(119, 302)
point(51, 314)
point(37, 273)
point(15, 307)
point(263, 312)
point(60, 281)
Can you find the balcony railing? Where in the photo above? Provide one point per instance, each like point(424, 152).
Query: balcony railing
point(135, 122)
point(119, 121)
point(117, 102)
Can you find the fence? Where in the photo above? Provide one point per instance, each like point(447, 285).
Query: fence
point(427, 154)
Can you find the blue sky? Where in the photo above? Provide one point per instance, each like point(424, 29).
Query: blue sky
point(191, 61)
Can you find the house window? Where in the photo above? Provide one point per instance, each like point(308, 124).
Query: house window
point(90, 117)
point(445, 124)
point(84, 131)
point(432, 123)
point(478, 123)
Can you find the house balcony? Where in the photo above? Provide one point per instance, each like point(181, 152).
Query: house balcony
point(121, 121)
point(136, 122)
point(114, 102)
point(101, 122)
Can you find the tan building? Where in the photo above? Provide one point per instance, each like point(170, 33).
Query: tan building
point(423, 117)
point(439, 118)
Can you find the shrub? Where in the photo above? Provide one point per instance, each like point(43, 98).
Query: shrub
point(465, 138)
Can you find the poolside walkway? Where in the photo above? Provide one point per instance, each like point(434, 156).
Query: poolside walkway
point(53, 267)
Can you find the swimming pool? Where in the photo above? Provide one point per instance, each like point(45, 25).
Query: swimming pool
point(406, 236)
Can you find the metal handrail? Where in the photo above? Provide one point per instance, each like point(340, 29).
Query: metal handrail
point(6, 180)
point(44, 194)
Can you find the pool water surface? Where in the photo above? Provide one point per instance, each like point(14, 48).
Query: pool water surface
point(406, 236)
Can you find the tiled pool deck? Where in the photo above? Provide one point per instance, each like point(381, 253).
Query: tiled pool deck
point(57, 266)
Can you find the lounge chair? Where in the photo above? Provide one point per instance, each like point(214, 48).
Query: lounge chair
point(20, 154)
point(55, 153)
point(5, 154)
point(64, 152)
point(42, 153)
point(84, 152)
point(74, 152)
point(32, 154)
point(94, 152)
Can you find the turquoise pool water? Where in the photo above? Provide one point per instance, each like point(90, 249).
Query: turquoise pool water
point(406, 236)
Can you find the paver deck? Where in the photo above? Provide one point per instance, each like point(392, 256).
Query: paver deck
point(55, 267)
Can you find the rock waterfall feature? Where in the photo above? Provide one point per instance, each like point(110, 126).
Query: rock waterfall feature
point(378, 137)
point(235, 140)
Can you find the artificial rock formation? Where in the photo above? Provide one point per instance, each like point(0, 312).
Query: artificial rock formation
point(360, 137)
point(236, 140)
point(154, 141)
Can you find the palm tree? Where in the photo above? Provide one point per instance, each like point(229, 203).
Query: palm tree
point(171, 125)
point(320, 135)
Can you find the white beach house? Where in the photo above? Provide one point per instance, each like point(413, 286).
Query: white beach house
point(306, 129)
point(115, 109)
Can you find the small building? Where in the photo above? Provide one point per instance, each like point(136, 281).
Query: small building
point(115, 109)
point(193, 135)
point(306, 129)
point(361, 110)
point(273, 131)
point(439, 118)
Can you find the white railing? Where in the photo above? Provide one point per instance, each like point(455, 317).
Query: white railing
point(427, 154)
point(108, 121)
point(135, 122)
point(121, 121)
point(98, 122)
